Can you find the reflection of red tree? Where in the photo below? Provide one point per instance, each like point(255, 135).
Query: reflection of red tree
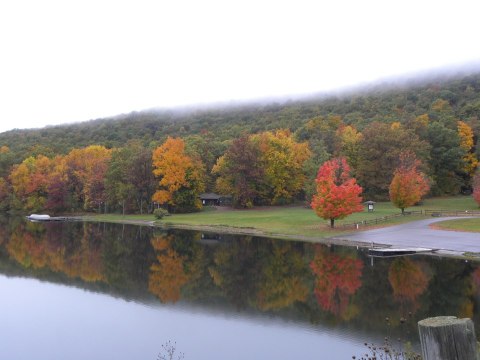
point(408, 281)
point(476, 279)
point(167, 276)
point(337, 278)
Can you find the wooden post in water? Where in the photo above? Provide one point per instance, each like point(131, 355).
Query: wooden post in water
point(447, 338)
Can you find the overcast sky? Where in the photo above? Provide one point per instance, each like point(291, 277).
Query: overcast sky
point(64, 61)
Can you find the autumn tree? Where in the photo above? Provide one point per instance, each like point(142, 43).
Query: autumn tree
point(265, 168)
point(30, 181)
point(409, 184)
point(322, 128)
point(349, 144)
point(476, 187)
point(338, 194)
point(86, 169)
point(380, 148)
point(282, 159)
point(208, 148)
point(310, 167)
point(59, 196)
point(470, 161)
point(180, 177)
point(240, 172)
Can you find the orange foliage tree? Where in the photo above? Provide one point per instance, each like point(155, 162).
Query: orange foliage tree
point(338, 194)
point(337, 278)
point(181, 180)
point(409, 184)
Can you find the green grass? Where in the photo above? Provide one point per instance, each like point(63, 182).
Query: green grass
point(293, 220)
point(472, 225)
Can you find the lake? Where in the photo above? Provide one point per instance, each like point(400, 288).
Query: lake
point(106, 291)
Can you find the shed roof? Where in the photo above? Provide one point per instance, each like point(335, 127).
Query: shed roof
point(210, 196)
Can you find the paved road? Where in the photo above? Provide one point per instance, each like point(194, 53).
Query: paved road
point(419, 234)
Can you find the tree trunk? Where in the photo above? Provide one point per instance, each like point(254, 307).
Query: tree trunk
point(447, 338)
point(123, 207)
point(332, 223)
point(403, 211)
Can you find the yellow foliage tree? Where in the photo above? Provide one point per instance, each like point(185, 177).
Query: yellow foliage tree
point(30, 181)
point(470, 161)
point(86, 173)
point(282, 159)
point(349, 144)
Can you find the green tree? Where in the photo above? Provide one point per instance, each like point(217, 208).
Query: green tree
point(129, 180)
point(380, 150)
point(445, 159)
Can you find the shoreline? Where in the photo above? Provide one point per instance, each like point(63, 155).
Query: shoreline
point(250, 231)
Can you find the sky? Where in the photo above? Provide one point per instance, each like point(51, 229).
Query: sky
point(68, 61)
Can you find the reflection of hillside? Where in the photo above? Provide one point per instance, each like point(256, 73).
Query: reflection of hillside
point(331, 287)
point(45, 249)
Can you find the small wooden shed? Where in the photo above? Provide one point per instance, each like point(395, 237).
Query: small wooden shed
point(212, 199)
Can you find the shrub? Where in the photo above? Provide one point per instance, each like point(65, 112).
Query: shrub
point(160, 213)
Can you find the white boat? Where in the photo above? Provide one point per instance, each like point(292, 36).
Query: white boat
point(38, 217)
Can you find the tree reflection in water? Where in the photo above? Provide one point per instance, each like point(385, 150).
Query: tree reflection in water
point(331, 285)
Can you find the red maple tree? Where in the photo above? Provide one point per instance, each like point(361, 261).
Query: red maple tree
point(338, 194)
point(409, 184)
point(476, 187)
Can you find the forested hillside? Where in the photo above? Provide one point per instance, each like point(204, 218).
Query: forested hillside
point(357, 109)
point(437, 120)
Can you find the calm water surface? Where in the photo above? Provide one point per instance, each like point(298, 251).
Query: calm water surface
point(106, 291)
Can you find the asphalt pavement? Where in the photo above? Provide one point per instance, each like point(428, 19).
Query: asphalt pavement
point(420, 234)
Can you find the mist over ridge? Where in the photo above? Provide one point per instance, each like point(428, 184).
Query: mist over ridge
point(229, 119)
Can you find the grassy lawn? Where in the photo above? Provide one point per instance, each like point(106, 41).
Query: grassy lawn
point(293, 220)
point(460, 225)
